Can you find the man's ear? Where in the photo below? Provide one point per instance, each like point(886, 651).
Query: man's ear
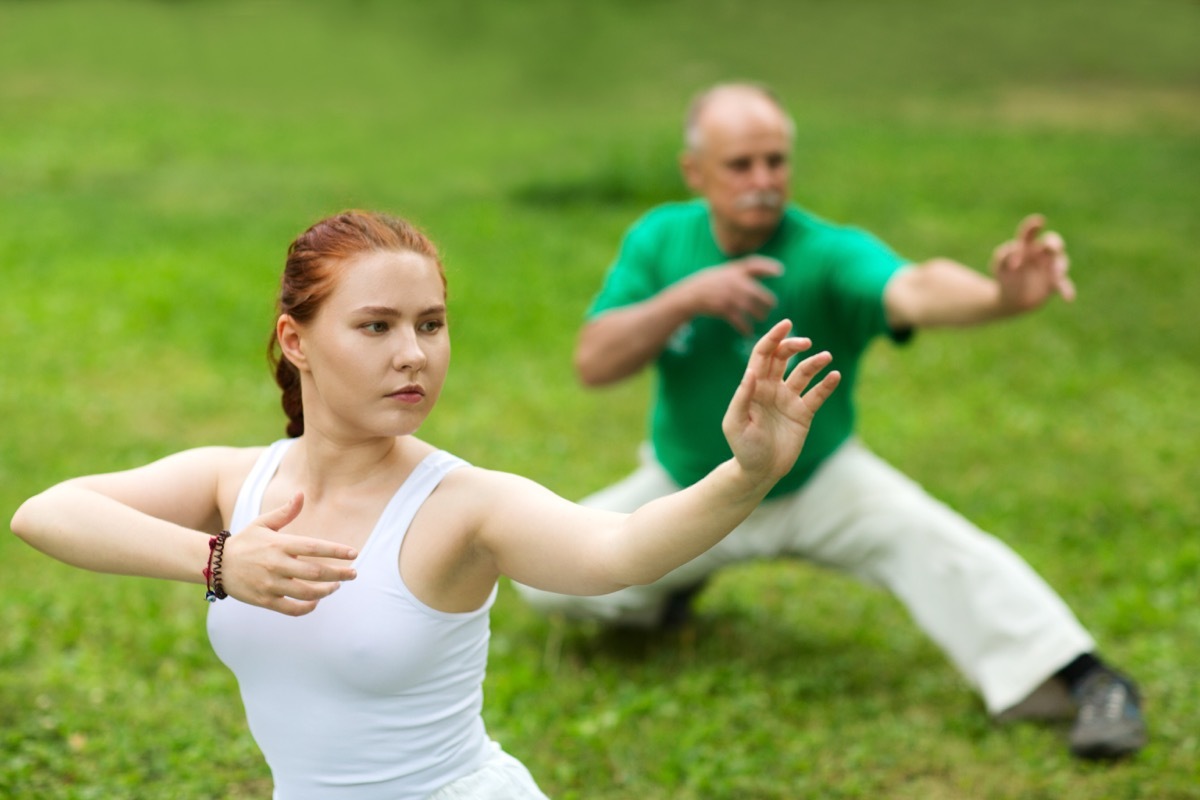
point(690, 170)
point(291, 341)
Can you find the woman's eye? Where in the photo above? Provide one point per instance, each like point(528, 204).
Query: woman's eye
point(376, 327)
point(432, 326)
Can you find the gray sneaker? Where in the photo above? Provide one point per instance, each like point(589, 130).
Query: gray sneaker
point(1109, 723)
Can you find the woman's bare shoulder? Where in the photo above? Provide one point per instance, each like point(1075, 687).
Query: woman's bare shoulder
point(466, 493)
point(220, 459)
point(229, 467)
point(476, 493)
point(470, 479)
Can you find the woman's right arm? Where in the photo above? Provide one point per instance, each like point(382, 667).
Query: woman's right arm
point(146, 521)
point(155, 521)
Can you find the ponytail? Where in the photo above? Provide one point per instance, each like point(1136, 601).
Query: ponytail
point(287, 377)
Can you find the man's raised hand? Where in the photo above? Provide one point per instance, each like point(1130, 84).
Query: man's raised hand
point(1032, 267)
point(734, 291)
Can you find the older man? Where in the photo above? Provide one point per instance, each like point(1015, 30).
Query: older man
point(692, 286)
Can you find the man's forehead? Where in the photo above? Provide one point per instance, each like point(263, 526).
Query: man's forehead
point(738, 102)
point(746, 138)
point(743, 117)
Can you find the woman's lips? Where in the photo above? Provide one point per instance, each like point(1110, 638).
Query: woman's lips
point(408, 394)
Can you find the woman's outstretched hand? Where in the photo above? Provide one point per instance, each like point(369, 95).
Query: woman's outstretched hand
point(771, 413)
point(264, 567)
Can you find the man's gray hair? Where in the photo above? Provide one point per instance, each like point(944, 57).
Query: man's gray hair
point(692, 137)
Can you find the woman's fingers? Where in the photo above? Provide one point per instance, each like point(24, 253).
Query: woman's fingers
point(774, 349)
point(293, 608)
point(279, 517)
point(739, 405)
point(292, 596)
point(299, 577)
point(315, 571)
point(308, 590)
point(763, 354)
point(318, 548)
point(784, 352)
point(283, 572)
point(807, 369)
point(768, 365)
point(815, 397)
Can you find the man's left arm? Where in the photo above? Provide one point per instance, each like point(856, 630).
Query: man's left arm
point(1026, 272)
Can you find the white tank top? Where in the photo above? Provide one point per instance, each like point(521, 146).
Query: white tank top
point(374, 695)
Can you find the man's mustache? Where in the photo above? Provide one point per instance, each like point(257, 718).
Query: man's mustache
point(766, 199)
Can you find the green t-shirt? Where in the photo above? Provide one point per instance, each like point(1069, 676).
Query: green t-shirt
point(831, 288)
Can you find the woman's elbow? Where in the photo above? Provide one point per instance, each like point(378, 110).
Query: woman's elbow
point(36, 515)
point(23, 522)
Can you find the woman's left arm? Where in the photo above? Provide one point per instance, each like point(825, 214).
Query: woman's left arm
point(539, 539)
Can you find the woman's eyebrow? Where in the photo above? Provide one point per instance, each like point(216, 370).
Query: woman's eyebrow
point(389, 311)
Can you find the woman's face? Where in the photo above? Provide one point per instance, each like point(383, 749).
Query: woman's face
point(376, 354)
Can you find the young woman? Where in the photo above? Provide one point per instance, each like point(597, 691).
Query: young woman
point(375, 691)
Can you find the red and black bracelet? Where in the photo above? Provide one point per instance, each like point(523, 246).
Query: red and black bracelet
point(212, 573)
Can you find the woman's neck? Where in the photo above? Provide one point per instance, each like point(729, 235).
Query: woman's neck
point(326, 466)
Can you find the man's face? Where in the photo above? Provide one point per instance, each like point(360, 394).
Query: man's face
point(742, 166)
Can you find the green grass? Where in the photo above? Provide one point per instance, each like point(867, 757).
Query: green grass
point(156, 157)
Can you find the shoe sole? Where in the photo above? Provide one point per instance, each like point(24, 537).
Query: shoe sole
point(1112, 747)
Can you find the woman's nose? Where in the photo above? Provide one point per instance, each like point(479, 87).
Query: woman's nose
point(409, 353)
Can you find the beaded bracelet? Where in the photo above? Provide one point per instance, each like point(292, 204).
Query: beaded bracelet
point(212, 573)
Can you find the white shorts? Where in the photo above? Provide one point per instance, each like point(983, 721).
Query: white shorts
point(501, 777)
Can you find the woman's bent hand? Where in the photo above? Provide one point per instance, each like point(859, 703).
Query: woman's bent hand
point(771, 413)
point(264, 567)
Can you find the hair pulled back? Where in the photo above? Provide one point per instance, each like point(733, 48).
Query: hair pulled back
point(314, 262)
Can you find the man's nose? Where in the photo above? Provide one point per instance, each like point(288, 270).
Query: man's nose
point(762, 175)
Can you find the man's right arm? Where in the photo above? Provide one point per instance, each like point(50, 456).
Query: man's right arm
point(620, 342)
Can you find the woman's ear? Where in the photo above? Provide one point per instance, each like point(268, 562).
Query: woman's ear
point(291, 341)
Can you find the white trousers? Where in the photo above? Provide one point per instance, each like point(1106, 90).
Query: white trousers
point(996, 620)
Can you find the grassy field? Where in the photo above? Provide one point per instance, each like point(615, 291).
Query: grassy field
point(156, 157)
